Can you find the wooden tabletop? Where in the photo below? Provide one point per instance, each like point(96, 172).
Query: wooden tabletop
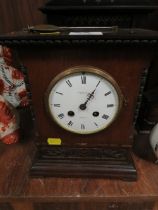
point(15, 183)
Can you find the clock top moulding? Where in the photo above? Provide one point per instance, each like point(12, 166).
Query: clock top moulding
point(123, 13)
point(126, 55)
point(55, 5)
point(111, 35)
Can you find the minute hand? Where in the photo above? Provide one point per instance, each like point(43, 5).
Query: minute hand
point(83, 106)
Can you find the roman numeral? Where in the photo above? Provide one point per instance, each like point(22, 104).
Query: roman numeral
point(110, 105)
point(70, 123)
point(59, 93)
point(95, 124)
point(83, 79)
point(82, 126)
point(61, 116)
point(105, 116)
point(69, 83)
point(56, 105)
point(108, 93)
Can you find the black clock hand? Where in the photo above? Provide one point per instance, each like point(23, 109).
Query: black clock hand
point(83, 106)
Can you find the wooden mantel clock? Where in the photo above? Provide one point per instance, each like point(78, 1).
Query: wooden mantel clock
point(86, 87)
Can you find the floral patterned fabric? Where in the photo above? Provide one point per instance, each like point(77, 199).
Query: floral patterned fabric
point(12, 94)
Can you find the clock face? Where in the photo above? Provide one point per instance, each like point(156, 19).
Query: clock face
point(83, 100)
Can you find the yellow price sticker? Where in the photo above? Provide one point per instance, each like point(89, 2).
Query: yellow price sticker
point(54, 141)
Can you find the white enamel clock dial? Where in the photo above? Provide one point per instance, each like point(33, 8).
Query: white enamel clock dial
point(83, 100)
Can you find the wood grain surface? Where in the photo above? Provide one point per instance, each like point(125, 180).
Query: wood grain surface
point(16, 185)
point(18, 188)
point(125, 65)
point(20, 13)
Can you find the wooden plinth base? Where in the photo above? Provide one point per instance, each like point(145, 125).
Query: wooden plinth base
point(84, 162)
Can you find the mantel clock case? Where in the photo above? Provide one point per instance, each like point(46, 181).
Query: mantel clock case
point(85, 92)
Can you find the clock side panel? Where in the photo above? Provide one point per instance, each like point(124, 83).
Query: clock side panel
point(124, 64)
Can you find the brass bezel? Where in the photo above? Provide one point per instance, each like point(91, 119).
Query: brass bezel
point(88, 69)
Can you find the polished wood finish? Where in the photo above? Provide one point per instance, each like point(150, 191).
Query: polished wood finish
point(91, 162)
point(21, 191)
point(125, 14)
point(18, 14)
point(22, 206)
point(48, 62)
point(125, 62)
point(4, 206)
point(14, 159)
point(93, 206)
point(21, 13)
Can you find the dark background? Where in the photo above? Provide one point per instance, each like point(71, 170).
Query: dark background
point(16, 14)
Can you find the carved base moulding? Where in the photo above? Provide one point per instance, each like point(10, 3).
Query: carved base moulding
point(84, 162)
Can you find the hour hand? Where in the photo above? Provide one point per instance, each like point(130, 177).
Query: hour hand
point(91, 95)
point(83, 106)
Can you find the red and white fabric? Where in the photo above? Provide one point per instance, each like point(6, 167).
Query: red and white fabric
point(12, 94)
